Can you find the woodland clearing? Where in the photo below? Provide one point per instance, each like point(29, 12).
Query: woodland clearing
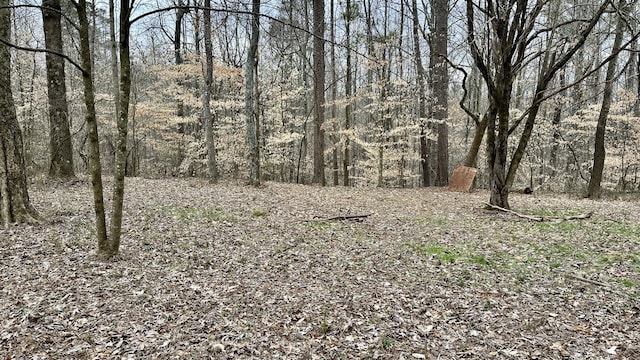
point(282, 272)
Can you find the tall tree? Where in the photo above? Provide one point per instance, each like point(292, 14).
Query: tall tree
point(212, 166)
point(60, 147)
point(440, 85)
point(334, 96)
point(104, 248)
point(15, 205)
point(113, 51)
point(594, 191)
point(251, 97)
point(512, 26)
point(422, 97)
point(123, 126)
point(318, 92)
point(351, 11)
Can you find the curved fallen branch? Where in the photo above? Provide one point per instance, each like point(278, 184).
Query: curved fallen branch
point(540, 218)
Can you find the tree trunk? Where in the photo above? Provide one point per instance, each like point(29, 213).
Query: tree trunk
point(347, 95)
point(334, 96)
point(251, 100)
point(92, 130)
point(14, 196)
point(123, 126)
point(318, 92)
point(113, 51)
point(212, 166)
point(177, 40)
point(440, 85)
point(422, 96)
point(595, 190)
point(60, 147)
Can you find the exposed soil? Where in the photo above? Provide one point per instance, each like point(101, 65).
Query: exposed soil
point(233, 272)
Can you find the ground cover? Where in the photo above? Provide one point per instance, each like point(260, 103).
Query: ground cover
point(289, 271)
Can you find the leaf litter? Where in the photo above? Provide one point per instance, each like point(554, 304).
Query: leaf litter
point(232, 272)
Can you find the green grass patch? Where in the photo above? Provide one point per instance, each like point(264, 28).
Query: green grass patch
point(439, 252)
point(258, 212)
point(626, 283)
point(480, 260)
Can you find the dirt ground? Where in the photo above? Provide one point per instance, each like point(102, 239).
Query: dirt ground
point(299, 272)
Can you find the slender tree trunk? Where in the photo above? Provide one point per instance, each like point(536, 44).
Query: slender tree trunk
point(347, 93)
point(251, 100)
point(422, 105)
point(212, 167)
point(599, 153)
point(113, 51)
point(555, 123)
point(318, 92)
point(334, 96)
point(60, 147)
point(92, 129)
point(122, 125)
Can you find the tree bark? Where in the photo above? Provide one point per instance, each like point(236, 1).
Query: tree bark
point(251, 100)
point(15, 205)
point(177, 41)
point(347, 94)
point(92, 129)
point(599, 153)
point(212, 166)
point(113, 51)
point(440, 85)
point(60, 147)
point(334, 96)
point(122, 126)
point(318, 92)
point(422, 98)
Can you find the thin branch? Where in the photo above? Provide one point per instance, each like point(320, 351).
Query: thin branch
point(40, 7)
point(37, 50)
point(472, 114)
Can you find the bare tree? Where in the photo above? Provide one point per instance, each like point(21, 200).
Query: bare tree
point(15, 205)
point(440, 84)
point(60, 147)
point(212, 167)
point(104, 248)
point(512, 26)
point(594, 191)
point(349, 15)
point(318, 92)
point(422, 98)
point(251, 98)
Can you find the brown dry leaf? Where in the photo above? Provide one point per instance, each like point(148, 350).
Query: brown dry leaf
point(232, 272)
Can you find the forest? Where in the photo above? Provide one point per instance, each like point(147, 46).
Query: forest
point(268, 179)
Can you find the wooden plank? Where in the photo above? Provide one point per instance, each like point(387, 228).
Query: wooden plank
point(462, 178)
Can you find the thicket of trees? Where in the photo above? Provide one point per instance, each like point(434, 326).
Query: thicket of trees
point(353, 93)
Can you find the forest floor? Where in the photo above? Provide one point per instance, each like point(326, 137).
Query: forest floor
point(233, 272)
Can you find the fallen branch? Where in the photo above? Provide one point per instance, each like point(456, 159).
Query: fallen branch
point(341, 218)
point(540, 218)
point(529, 217)
point(592, 282)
